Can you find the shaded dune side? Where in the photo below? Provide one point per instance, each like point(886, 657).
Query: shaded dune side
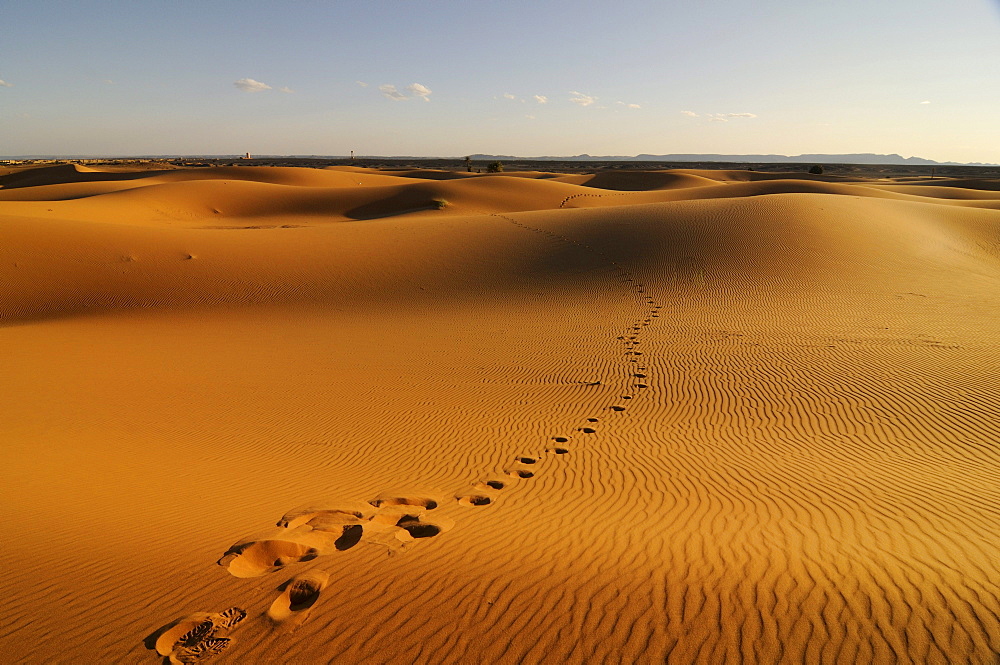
point(64, 183)
point(276, 175)
point(221, 193)
point(63, 267)
point(66, 268)
point(208, 200)
point(959, 197)
point(641, 181)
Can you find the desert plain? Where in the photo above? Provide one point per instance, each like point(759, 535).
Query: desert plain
point(348, 415)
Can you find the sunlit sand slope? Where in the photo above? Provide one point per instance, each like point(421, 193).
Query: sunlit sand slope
point(335, 416)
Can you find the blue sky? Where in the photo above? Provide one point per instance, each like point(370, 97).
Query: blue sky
point(408, 77)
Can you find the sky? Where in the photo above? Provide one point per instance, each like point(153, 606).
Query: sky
point(517, 77)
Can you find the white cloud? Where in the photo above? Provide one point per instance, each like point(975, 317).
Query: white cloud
point(724, 117)
point(285, 89)
point(108, 82)
point(5, 84)
point(362, 84)
point(581, 99)
point(507, 95)
point(541, 99)
point(926, 101)
point(250, 85)
point(690, 114)
point(530, 117)
point(391, 92)
point(629, 106)
point(418, 90)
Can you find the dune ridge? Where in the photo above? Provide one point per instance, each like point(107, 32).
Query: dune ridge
point(686, 416)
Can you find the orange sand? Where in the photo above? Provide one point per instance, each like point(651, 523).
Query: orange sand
point(680, 416)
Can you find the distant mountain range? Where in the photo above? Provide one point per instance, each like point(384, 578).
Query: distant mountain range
point(854, 158)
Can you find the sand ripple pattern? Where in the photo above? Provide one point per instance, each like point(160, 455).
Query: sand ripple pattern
point(708, 419)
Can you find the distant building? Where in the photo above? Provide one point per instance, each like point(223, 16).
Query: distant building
point(246, 156)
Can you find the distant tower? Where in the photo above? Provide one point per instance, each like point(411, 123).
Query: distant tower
point(247, 156)
point(352, 155)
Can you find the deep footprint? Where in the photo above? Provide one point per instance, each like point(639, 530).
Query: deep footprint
point(520, 473)
point(259, 557)
point(416, 528)
point(295, 603)
point(475, 500)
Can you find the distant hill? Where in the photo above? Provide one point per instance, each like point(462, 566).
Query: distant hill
point(854, 158)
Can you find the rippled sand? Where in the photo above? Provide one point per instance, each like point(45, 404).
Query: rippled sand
point(424, 417)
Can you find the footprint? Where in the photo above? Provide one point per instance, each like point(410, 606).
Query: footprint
point(300, 594)
point(184, 631)
point(229, 619)
point(397, 526)
point(626, 397)
point(519, 473)
point(389, 499)
point(641, 385)
point(195, 636)
point(639, 376)
point(591, 420)
point(210, 646)
point(617, 408)
point(492, 484)
point(350, 534)
point(588, 430)
point(473, 500)
point(560, 439)
point(277, 548)
point(418, 528)
point(527, 460)
point(557, 450)
point(351, 512)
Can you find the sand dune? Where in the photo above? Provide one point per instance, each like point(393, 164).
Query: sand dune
point(423, 417)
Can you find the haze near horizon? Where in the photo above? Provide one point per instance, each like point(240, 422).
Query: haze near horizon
point(449, 78)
